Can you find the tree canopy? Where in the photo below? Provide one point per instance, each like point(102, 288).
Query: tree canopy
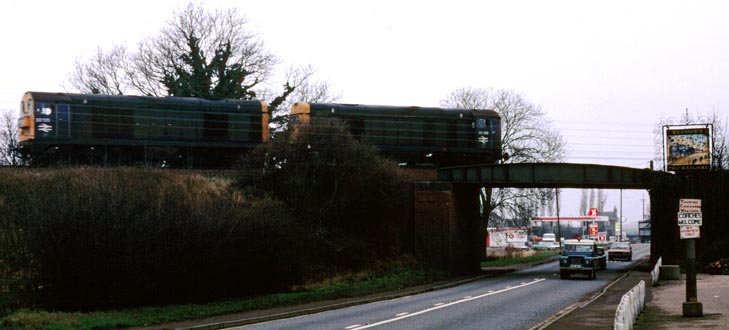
point(202, 53)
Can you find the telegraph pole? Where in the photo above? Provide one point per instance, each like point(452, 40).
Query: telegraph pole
point(559, 228)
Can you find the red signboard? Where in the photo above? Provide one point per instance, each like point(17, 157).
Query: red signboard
point(593, 212)
point(593, 231)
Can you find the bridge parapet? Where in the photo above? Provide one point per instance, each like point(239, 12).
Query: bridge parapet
point(549, 175)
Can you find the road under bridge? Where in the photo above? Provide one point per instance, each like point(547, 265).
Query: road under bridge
point(446, 211)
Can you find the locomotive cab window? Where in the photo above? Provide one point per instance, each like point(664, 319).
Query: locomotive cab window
point(481, 124)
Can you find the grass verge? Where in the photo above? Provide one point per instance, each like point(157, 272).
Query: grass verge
point(513, 261)
point(347, 286)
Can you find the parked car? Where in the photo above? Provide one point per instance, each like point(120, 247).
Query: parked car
point(620, 251)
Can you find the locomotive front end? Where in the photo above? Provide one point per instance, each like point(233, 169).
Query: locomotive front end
point(26, 125)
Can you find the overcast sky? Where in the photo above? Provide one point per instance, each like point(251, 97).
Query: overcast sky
point(604, 71)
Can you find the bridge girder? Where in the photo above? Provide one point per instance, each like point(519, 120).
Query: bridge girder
point(549, 175)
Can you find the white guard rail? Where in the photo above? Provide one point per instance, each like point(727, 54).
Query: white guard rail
point(656, 271)
point(630, 306)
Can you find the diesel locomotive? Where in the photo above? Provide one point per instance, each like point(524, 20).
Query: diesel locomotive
point(126, 130)
point(415, 135)
point(64, 128)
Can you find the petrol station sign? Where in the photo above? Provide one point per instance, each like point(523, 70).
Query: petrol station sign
point(594, 231)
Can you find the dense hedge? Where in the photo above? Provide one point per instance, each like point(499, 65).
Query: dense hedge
point(300, 210)
point(90, 238)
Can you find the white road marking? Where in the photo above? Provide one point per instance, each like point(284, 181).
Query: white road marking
point(353, 326)
point(401, 314)
point(489, 293)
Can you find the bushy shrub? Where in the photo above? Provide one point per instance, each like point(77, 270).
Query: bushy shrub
point(99, 238)
point(339, 187)
point(718, 267)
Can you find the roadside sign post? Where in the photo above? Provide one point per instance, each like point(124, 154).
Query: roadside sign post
point(688, 149)
point(689, 222)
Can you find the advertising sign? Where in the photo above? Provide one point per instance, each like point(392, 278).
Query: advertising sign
point(687, 148)
point(516, 236)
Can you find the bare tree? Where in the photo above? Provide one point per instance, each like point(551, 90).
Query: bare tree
point(527, 136)
point(583, 202)
point(104, 73)
point(720, 154)
point(9, 155)
point(199, 53)
point(601, 200)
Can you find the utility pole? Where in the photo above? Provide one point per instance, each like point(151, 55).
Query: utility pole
point(559, 228)
point(620, 218)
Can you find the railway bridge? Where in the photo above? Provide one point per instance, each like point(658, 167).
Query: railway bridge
point(446, 211)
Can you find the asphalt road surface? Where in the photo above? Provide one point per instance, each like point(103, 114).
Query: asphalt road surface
point(518, 300)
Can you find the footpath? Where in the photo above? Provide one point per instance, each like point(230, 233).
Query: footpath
point(663, 305)
point(663, 309)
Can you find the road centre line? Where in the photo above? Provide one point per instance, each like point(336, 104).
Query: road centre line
point(489, 293)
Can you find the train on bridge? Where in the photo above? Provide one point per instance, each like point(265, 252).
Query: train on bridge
point(65, 128)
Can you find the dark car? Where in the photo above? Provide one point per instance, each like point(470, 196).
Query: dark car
point(620, 251)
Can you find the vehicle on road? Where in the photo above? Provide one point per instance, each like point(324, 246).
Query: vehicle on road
point(581, 257)
point(620, 251)
point(541, 245)
point(549, 237)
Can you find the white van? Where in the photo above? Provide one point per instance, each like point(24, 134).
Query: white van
point(549, 237)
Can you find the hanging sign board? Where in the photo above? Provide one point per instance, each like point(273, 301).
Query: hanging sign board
point(687, 147)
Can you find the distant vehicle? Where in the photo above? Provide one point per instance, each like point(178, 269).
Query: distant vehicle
point(549, 237)
point(620, 251)
point(542, 245)
point(581, 257)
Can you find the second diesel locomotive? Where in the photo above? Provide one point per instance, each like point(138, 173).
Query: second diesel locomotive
point(416, 135)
